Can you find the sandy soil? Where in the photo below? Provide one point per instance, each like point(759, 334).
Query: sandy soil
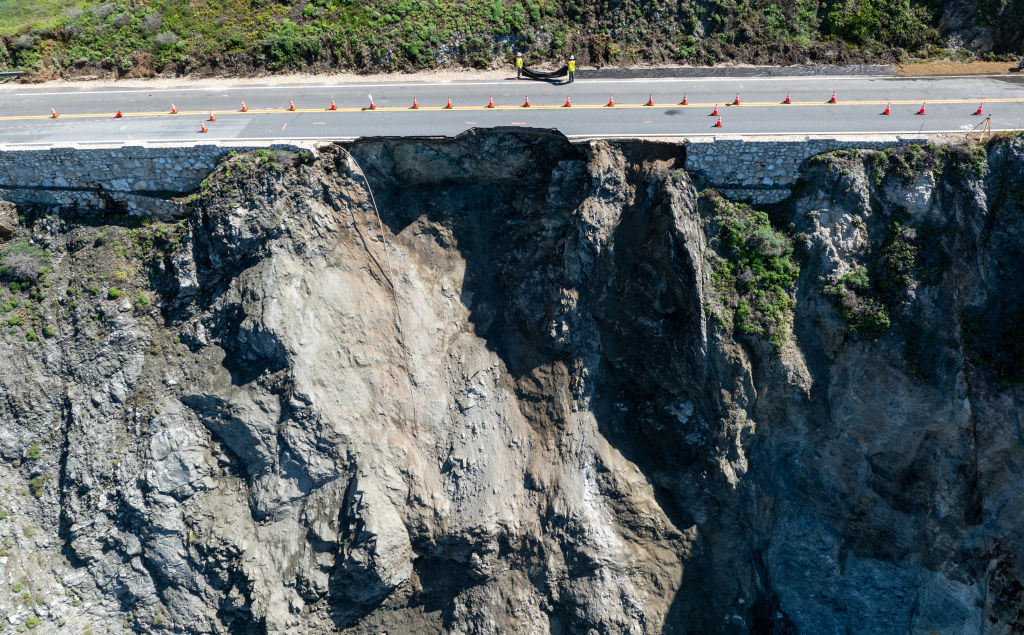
point(955, 68)
point(435, 76)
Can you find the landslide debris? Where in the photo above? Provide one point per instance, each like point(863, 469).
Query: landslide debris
point(403, 386)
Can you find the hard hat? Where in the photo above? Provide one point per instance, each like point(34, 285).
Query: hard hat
point(572, 57)
point(519, 54)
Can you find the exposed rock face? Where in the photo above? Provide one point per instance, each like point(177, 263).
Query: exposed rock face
point(514, 402)
point(8, 220)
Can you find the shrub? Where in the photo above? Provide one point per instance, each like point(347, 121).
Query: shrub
point(24, 261)
point(33, 452)
point(853, 295)
point(113, 294)
point(165, 39)
point(32, 621)
point(152, 22)
point(36, 485)
point(24, 42)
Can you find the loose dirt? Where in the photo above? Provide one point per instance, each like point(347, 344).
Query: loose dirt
point(956, 68)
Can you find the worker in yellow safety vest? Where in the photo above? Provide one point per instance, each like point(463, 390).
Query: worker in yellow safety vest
point(519, 65)
point(572, 67)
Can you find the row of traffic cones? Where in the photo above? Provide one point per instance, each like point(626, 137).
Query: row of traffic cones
point(526, 104)
point(922, 111)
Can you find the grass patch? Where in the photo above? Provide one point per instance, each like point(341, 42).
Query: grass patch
point(40, 15)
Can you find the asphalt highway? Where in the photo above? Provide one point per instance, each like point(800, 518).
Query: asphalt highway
point(86, 115)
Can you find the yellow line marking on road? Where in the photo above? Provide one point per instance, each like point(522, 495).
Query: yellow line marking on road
point(723, 107)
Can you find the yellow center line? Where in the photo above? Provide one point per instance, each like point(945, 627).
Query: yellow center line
point(723, 108)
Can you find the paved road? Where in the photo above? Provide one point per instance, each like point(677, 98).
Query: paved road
point(85, 114)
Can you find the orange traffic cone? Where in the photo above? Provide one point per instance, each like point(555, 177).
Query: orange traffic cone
point(888, 109)
point(526, 104)
point(291, 104)
point(567, 104)
point(650, 100)
point(244, 107)
point(833, 99)
point(202, 126)
point(718, 124)
point(174, 109)
point(978, 111)
point(449, 105)
point(921, 112)
point(212, 118)
point(684, 102)
point(334, 106)
point(414, 106)
point(714, 113)
point(372, 105)
point(118, 115)
point(53, 113)
point(611, 102)
point(490, 102)
point(786, 100)
point(736, 102)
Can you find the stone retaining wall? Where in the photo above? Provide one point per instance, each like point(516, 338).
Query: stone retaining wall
point(149, 179)
point(763, 170)
point(138, 180)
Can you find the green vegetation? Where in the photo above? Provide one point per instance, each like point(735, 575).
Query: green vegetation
point(866, 296)
point(234, 170)
point(969, 161)
point(755, 270)
point(33, 451)
point(899, 259)
point(139, 38)
point(37, 484)
point(113, 294)
point(24, 267)
point(863, 314)
point(32, 621)
point(41, 14)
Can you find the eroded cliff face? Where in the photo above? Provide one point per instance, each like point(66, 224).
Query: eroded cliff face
point(505, 383)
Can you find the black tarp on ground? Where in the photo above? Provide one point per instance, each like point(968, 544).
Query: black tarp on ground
point(532, 74)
